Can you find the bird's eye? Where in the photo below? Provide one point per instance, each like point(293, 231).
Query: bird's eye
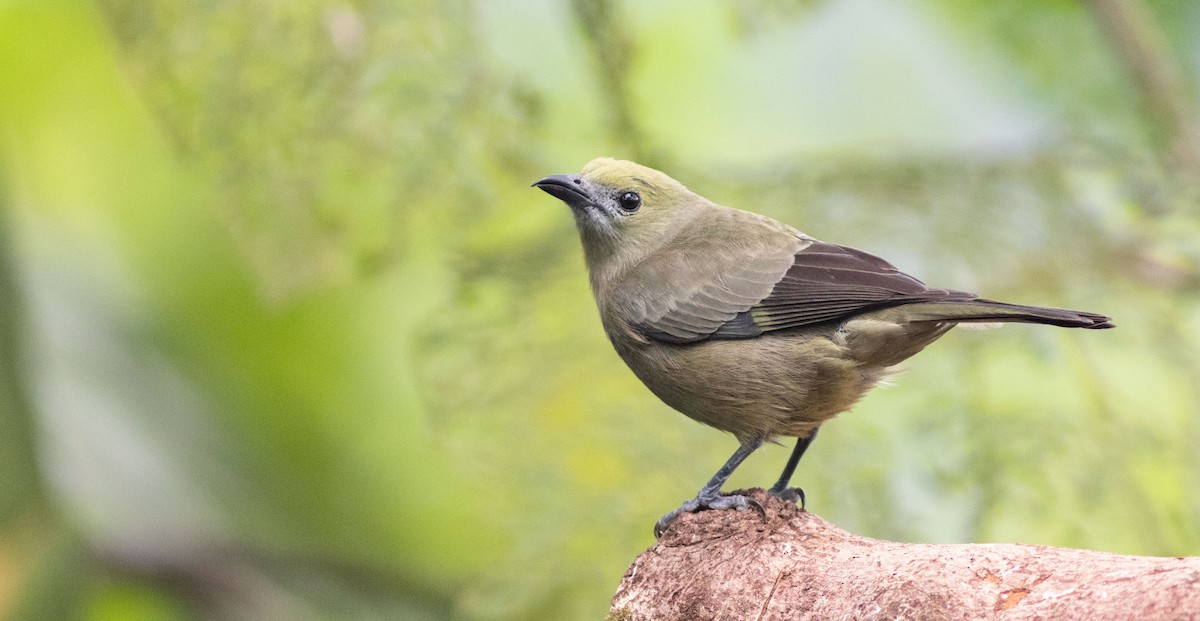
point(629, 201)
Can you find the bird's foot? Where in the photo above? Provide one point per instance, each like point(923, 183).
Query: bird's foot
point(791, 494)
point(717, 502)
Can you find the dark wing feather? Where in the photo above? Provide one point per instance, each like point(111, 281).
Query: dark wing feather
point(828, 282)
point(824, 283)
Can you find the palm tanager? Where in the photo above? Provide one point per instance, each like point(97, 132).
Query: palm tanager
point(746, 324)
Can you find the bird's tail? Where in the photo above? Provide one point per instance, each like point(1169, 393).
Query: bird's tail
point(987, 311)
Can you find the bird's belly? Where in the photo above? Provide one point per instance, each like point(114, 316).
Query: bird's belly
point(754, 388)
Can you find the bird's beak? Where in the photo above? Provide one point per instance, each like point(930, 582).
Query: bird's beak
point(566, 188)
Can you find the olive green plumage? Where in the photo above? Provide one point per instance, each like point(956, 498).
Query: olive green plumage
point(744, 323)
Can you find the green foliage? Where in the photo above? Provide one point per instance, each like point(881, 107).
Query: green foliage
point(287, 334)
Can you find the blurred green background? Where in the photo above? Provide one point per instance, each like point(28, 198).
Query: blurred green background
point(286, 334)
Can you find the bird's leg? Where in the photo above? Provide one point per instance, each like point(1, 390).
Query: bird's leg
point(710, 496)
point(781, 489)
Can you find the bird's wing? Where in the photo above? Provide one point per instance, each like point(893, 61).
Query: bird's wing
point(828, 282)
point(698, 284)
point(817, 283)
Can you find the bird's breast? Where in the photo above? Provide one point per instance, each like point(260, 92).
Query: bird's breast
point(754, 388)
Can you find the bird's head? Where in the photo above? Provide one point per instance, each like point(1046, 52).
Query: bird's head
point(623, 209)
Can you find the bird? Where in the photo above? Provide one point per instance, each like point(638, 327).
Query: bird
point(746, 324)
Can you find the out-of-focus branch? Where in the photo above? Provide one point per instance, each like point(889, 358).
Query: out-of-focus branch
point(612, 53)
point(1146, 53)
point(46, 557)
point(21, 482)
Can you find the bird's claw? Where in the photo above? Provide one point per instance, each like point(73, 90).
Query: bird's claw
point(736, 502)
point(790, 494)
